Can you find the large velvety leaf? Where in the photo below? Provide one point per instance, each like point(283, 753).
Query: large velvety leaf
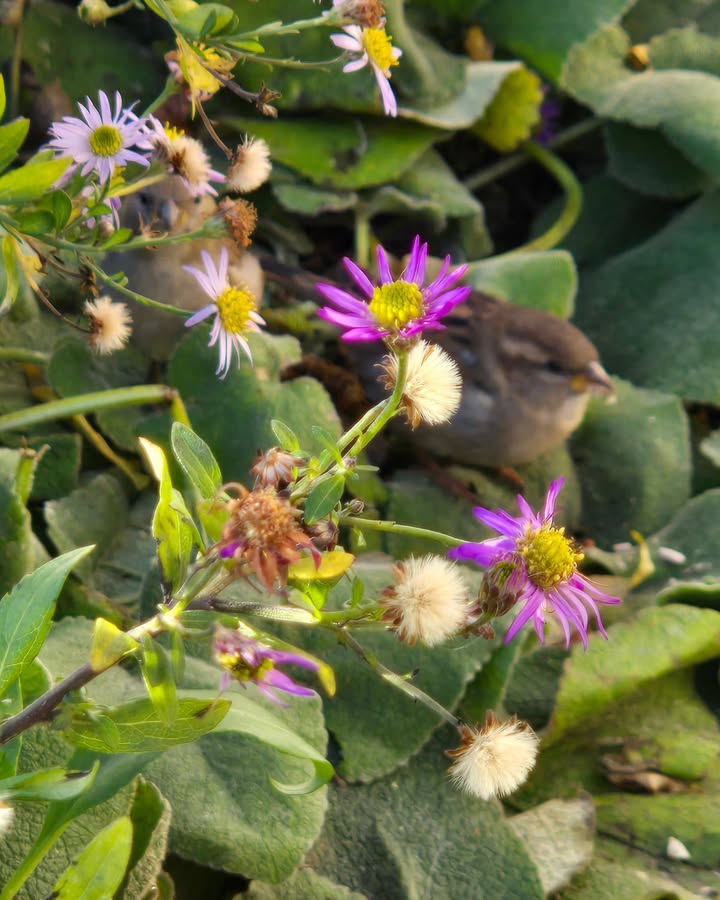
point(253, 396)
point(683, 104)
point(657, 641)
point(633, 457)
point(414, 835)
point(664, 294)
point(364, 704)
point(224, 805)
point(334, 153)
point(558, 836)
point(544, 34)
point(544, 280)
point(26, 613)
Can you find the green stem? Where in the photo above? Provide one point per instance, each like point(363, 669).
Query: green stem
point(395, 528)
point(362, 238)
point(126, 292)
point(22, 355)
point(274, 28)
point(398, 681)
point(573, 199)
point(171, 88)
point(82, 404)
point(134, 244)
point(508, 164)
point(360, 426)
point(390, 409)
point(414, 55)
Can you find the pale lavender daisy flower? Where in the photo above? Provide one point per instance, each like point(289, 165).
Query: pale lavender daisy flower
point(234, 308)
point(372, 46)
point(399, 307)
point(245, 659)
point(535, 564)
point(102, 140)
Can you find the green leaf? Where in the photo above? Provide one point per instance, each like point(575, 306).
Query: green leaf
point(140, 729)
point(31, 180)
point(285, 435)
point(333, 152)
point(12, 136)
point(10, 266)
point(381, 839)
point(544, 280)
point(558, 836)
point(658, 641)
point(47, 784)
point(253, 395)
point(109, 644)
point(664, 290)
point(634, 462)
point(99, 509)
point(150, 815)
point(26, 613)
point(2, 96)
point(683, 104)
point(36, 222)
point(158, 677)
point(172, 525)
point(197, 460)
point(210, 18)
point(544, 34)
point(323, 498)
point(61, 207)
point(97, 873)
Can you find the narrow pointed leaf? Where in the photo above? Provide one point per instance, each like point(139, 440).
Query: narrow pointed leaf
point(97, 873)
point(197, 460)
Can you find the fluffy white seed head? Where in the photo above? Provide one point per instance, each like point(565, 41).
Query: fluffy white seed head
point(429, 601)
point(433, 385)
point(110, 324)
point(251, 166)
point(494, 760)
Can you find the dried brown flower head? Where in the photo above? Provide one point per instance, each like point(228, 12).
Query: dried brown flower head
point(240, 217)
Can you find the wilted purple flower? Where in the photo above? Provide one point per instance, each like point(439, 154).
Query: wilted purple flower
point(245, 659)
point(399, 307)
point(101, 140)
point(538, 565)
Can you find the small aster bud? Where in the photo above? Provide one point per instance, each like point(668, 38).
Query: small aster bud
point(251, 166)
point(109, 324)
point(355, 507)
point(494, 760)
point(94, 12)
point(240, 216)
point(7, 814)
point(275, 468)
point(433, 386)
point(428, 603)
point(324, 534)
point(499, 591)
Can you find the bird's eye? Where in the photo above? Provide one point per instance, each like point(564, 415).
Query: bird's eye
point(143, 198)
point(197, 200)
point(552, 365)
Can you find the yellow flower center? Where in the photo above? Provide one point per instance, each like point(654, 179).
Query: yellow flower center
point(394, 305)
point(172, 133)
point(378, 46)
point(105, 140)
point(549, 556)
point(235, 305)
point(239, 668)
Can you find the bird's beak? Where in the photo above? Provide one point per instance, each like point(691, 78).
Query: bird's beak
point(168, 212)
point(594, 379)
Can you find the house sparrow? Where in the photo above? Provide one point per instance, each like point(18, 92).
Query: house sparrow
point(168, 207)
point(527, 378)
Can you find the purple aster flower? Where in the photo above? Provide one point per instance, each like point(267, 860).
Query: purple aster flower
point(535, 564)
point(399, 307)
point(371, 46)
point(101, 140)
point(234, 308)
point(245, 659)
